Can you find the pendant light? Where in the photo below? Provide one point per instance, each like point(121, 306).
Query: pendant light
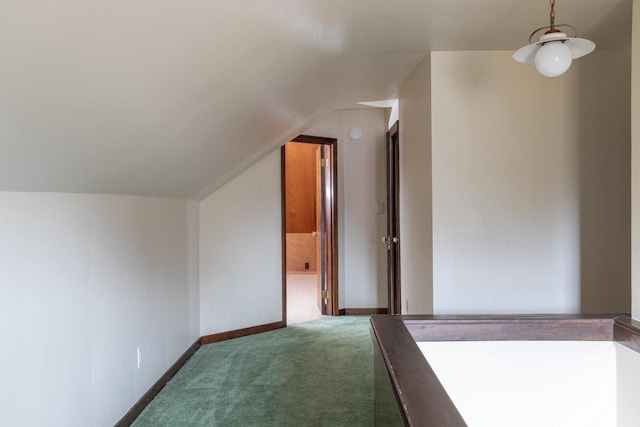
point(553, 52)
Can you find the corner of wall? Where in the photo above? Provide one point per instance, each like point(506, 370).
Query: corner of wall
point(416, 234)
point(635, 161)
point(240, 250)
point(193, 240)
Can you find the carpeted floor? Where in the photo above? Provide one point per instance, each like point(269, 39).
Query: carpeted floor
point(317, 373)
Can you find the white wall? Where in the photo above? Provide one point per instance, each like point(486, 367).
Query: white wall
point(241, 251)
point(84, 281)
point(530, 185)
point(603, 122)
point(564, 383)
point(363, 162)
point(416, 267)
point(530, 383)
point(627, 387)
point(635, 159)
point(361, 181)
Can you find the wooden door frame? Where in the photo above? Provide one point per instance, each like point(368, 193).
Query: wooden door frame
point(332, 282)
point(393, 230)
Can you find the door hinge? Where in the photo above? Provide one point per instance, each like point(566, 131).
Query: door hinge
point(324, 162)
point(324, 294)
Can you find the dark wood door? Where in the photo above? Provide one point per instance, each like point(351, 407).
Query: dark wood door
point(392, 239)
point(327, 235)
point(319, 236)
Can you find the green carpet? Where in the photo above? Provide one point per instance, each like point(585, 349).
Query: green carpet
point(317, 373)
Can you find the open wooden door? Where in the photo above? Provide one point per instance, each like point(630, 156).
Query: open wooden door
point(326, 235)
point(318, 232)
point(328, 218)
point(393, 219)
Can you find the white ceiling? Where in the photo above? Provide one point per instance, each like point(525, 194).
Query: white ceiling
point(172, 98)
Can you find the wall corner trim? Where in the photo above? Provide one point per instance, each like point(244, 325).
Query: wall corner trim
point(146, 398)
point(223, 336)
point(157, 387)
point(362, 311)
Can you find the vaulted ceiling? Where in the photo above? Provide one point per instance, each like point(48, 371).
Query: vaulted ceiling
point(173, 98)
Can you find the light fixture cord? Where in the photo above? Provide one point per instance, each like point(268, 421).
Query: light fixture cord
point(552, 14)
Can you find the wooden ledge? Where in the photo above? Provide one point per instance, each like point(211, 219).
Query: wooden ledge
point(239, 333)
point(421, 398)
point(626, 331)
point(510, 328)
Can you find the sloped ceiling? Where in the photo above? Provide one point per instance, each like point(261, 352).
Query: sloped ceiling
point(173, 98)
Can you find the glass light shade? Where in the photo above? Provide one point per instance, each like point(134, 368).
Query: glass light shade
point(553, 59)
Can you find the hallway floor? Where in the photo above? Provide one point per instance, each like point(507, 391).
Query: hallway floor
point(302, 298)
point(317, 373)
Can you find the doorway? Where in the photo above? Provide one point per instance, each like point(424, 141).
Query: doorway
point(309, 191)
point(393, 220)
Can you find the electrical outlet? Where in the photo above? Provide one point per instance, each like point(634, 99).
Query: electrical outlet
point(139, 357)
point(306, 265)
